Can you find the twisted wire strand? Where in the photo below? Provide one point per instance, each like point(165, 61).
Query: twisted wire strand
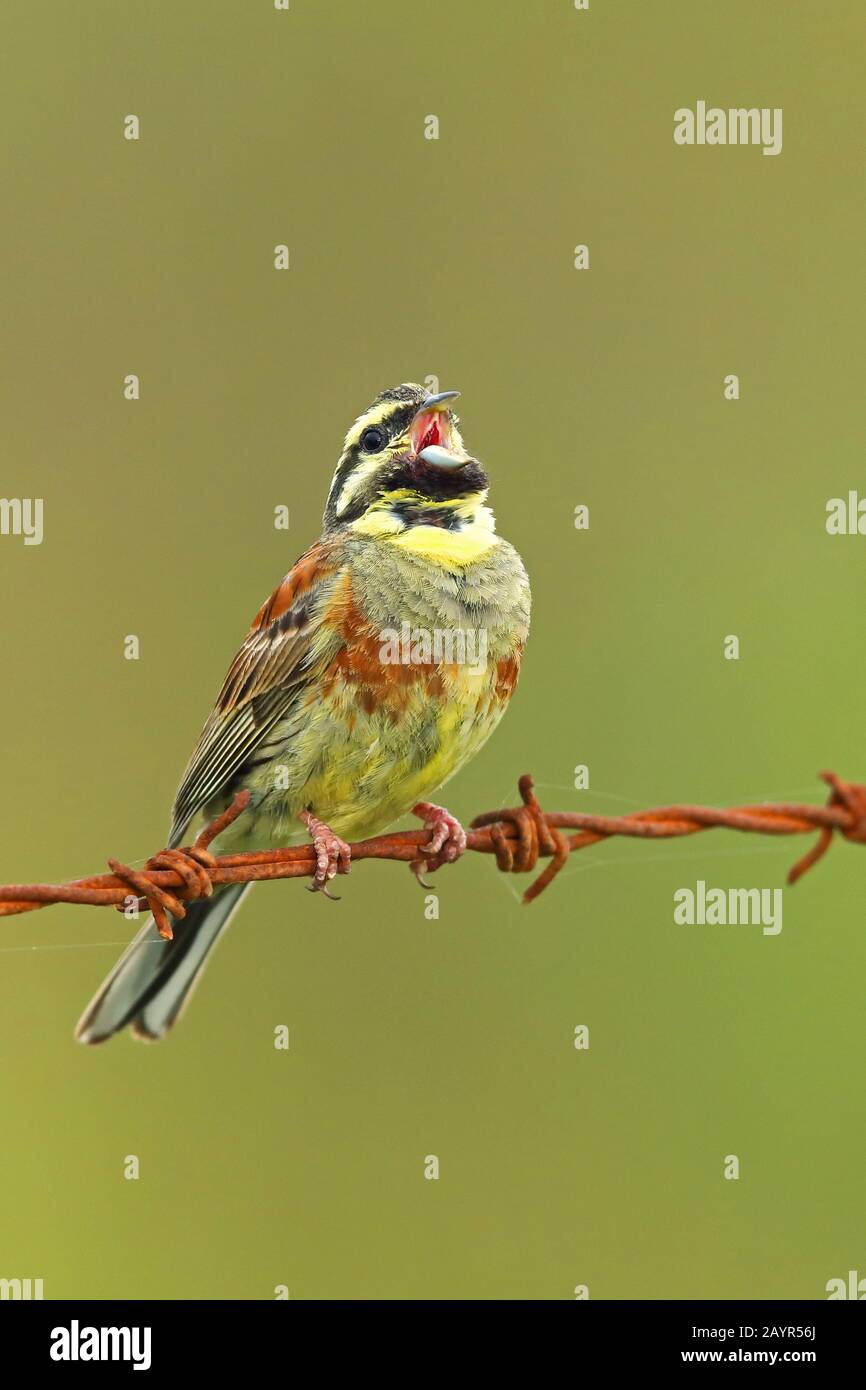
point(517, 837)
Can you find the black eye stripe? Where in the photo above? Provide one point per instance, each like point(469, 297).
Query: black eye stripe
point(396, 420)
point(394, 424)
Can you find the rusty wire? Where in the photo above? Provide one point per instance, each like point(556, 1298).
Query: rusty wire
point(518, 836)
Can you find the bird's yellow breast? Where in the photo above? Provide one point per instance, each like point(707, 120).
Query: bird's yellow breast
point(388, 715)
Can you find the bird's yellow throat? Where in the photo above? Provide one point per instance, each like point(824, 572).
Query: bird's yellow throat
point(472, 535)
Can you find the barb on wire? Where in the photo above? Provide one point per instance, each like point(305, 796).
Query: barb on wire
point(517, 836)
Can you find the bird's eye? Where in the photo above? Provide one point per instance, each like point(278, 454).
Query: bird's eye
point(373, 440)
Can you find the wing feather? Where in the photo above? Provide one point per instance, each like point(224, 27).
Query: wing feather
point(273, 667)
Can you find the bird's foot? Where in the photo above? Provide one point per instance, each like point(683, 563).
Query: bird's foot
point(333, 855)
point(447, 839)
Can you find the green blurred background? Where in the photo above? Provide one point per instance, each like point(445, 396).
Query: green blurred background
point(411, 257)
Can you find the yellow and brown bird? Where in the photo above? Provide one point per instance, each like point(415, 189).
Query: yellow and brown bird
point(378, 666)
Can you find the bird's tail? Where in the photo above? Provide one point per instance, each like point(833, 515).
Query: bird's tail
point(153, 979)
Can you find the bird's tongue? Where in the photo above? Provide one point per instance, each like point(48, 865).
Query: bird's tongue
point(431, 436)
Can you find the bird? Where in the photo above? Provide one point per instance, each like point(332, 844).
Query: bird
point(378, 666)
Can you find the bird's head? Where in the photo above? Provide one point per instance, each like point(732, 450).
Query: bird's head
point(404, 464)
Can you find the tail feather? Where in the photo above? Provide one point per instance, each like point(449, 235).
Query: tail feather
point(154, 978)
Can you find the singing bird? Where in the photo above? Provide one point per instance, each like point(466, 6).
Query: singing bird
point(334, 728)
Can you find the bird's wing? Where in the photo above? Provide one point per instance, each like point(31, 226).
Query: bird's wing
point(286, 646)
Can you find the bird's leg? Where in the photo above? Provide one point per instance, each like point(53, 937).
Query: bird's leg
point(447, 839)
point(333, 855)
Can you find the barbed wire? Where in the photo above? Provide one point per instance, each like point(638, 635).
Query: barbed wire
point(517, 836)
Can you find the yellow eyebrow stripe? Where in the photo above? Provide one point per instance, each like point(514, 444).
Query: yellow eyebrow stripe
point(371, 417)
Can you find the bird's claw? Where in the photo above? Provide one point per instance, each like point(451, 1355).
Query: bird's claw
point(333, 855)
point(419, 867)
point(447, 840)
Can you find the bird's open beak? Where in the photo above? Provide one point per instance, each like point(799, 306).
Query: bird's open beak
point(431, 433)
